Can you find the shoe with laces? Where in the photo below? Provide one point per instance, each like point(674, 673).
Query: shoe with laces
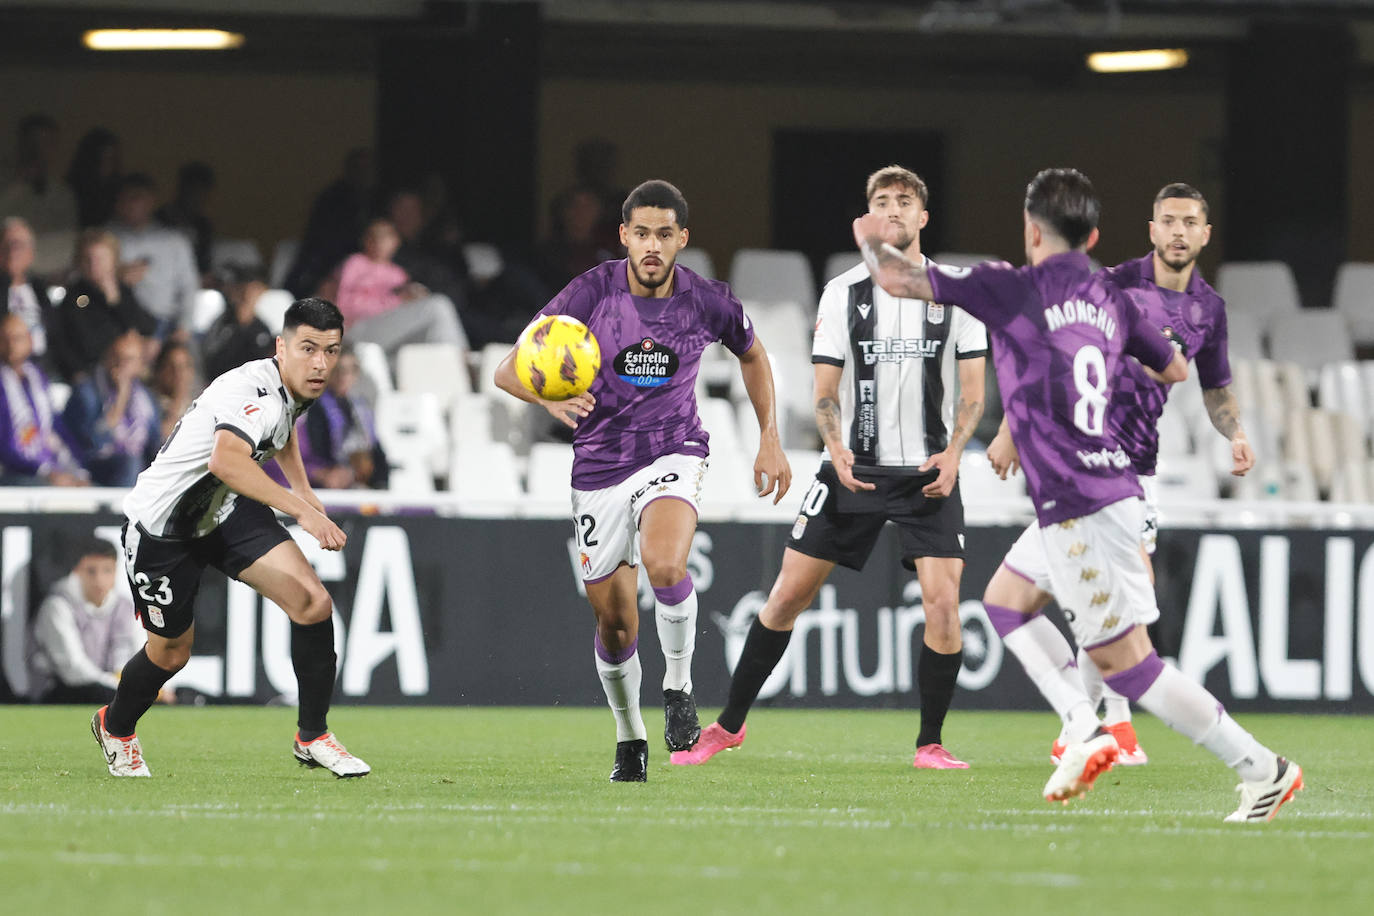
point(935, 757)
point(680, 726)
point(631, 762)
point(1131, 754)
point(713, 740)
point(1080, 765)
point(123, 756)
point(1260, 800)
point(326, 751)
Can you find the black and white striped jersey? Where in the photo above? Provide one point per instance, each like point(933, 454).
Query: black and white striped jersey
point(894, 406)
point(177, 496)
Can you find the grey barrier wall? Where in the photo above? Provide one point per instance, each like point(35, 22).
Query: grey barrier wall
point(443, 610)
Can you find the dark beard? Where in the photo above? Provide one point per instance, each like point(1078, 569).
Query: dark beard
point(1164, 256)
point(668, 272)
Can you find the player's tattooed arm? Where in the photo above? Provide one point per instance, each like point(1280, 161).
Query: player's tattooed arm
point(1224, 413)
point(969, 410)
point(828, 419)
point(890, 269)
point(831, 427)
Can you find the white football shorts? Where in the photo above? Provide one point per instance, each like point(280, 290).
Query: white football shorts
point(606, 521)
point(1092, 566)
point(1149, 525)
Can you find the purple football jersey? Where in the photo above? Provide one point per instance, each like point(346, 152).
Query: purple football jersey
point(646, 404)
point(1195, 320)
point(1059, 337)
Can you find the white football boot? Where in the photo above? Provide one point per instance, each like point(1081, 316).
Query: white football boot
point(326, 751)
point(123, 756)
point(1079, 766)
point(1261, 799)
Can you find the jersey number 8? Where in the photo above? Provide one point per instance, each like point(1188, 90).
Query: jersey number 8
point(1090, 409)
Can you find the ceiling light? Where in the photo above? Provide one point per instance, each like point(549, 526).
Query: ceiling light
point(1136, 61)
point(161, 40)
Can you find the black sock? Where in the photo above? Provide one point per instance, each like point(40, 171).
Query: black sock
point(312, 655)
point(139, 683)
point(935, 679)
point(762, 650)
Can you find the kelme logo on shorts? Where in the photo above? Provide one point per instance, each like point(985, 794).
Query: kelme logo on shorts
point(646, 364)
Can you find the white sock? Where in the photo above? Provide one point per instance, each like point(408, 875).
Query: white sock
point(677, 635)
point(1045, 654)
point(1117, 708)
point(1189, 709)
point(621, 683)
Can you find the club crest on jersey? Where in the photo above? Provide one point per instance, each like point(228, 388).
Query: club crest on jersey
point(935, 313)
point(647, 364)
point(1176, 339)
point(155, 616)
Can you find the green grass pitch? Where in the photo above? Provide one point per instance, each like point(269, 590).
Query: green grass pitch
point(509, 811)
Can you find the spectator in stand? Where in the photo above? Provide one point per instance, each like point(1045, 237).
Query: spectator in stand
point(238, 334)
point(158, 262)
point(187, 212)
point(337, 219)
point(44, 202)
point(94, 175)
point(596, 161)
point(25, 294)
point(112, 418)
point(381, 304)
point(98, 308)
point(83, 632)
point(175, 383)
point(32, 449)
point(576, 243)
point(337, 437)
point(433, 264)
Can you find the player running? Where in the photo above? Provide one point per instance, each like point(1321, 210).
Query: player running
point(881, 408)
point(205, 501)
point(1173, 296)
point(639, 452)
point(1060, 336)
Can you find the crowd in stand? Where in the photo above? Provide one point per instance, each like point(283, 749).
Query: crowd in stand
point(100, 356)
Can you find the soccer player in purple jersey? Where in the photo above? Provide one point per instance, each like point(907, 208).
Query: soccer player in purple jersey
point(1174, 297)
point(1061, 336)
point(639, 452)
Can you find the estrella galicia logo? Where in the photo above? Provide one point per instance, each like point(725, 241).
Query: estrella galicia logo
point(647, 364)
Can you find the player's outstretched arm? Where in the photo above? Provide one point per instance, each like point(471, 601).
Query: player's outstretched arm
point(232, 462)
point(772, 473)
point(1224, 412)
point(972, 381)
point(1002, 452)
point(293, 466)
point(890, 269)
point(828, 424)
point(564, 412)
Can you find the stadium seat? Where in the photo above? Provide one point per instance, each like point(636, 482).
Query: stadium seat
point(718, 416)
point(1354, 298)
point(771, 275)
point(729, 481)
point(1310, 338)
point(1348, 437)
point(484, 261)
point(209, 305)
point(490, 358)
point(283, 256)
point(438, 368)
point(548, 476)
point(375, 369)
point(1184, 479)
point(1298, 483)
point(838, 263)
point(1340, 388)
point(1321, 432)
point(236, 252)
point(1268, 399)
point(1350, 484)
point(471, 421)
point(804, 462)
point(1175, 439)
point(1263, 289)
point(698, 260)
point(412, 431)
point(979, 483)
point(1244, 335)
point(485, 479)
point(272, 306)
point(59, 393)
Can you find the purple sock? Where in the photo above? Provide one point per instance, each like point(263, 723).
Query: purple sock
point(676, 593)
point(614, 658)
point(1004, 619)
point(1135, 680)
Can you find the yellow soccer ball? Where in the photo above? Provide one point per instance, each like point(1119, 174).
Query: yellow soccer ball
point(557, 357)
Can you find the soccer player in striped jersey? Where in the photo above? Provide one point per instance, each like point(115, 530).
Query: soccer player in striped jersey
point(884, 414)
point(1061, 335)
point(1172, 295)
point(206, 501)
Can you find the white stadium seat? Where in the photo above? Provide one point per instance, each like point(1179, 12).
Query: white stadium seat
point(1340, 388)
point(771, 275)
point(1263, 289)
point(1244, 335)
point(283, 256)
point(1184, 479)
point(838, 263)
point(439, 368)
point(1311, 338)
point(548, 476)
point(490, 358)
point(271, 308)
point(372, 362)
point(698, 260)
point(718, 416)
point(209, 305)
point(485, 479)
point(1354, 298)
point(412, 431)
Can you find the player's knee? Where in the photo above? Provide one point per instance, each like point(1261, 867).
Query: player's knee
point(942, 616)
point(169, 657)
point(663, 573)
point(315, 608)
